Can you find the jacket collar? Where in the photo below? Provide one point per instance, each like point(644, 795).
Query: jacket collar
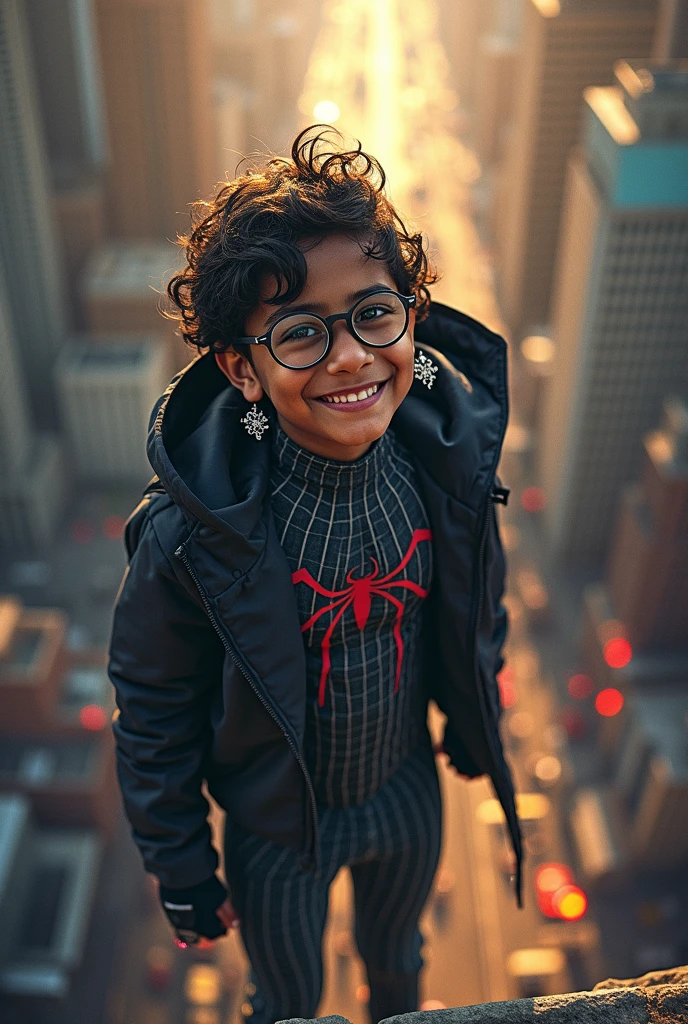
point(219, 475)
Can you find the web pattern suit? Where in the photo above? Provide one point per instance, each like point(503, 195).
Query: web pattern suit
point(358, 542)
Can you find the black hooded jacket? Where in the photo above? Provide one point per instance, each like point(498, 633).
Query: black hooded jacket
point(206, 653)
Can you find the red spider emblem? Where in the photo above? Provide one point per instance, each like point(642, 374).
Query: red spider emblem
point(360, 594)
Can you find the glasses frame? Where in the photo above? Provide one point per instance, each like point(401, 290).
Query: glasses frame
point(408, 302)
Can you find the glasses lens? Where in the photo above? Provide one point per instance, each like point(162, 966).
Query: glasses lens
point(379, 319)
point(299, 340)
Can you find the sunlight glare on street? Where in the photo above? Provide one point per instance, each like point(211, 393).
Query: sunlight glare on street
point(387, 82)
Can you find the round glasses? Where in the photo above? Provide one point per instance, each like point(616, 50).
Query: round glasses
point(299, 340)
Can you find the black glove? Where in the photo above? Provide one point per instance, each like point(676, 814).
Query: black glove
point(191, 911)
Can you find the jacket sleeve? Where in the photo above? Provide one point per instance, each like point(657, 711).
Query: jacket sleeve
point(492, 632)
point(165, 659)
point(494, 626)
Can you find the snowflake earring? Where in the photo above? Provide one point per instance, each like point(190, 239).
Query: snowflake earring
point(424, 370)
point(255, 422)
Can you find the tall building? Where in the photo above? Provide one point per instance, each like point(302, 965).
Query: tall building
point(32, 665)
point(32, 472)
point(566, 46)
point(16, 426)
point(39, 953)
point(29, 260)
point(647, 570)
point(56, 747)
point(636, 820)
point(497, 63)
point(634, 639)
point(79, 206)
point(156, 58)
point(621, 301)
point(67, 69)
point(641, 605)
point(106, 393)
point(58, 798)
point(122, 291)
point(66, 63)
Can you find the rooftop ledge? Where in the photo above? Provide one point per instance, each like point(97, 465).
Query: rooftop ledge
point(660, 997)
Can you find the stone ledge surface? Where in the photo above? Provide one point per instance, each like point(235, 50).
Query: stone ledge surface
point(660, 997)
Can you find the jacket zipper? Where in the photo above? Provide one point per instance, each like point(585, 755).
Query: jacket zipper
point(500, 495)
point(272, 711)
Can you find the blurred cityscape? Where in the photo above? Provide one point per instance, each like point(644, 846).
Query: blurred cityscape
point(542, 147)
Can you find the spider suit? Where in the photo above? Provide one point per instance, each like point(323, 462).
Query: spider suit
point(253, 621)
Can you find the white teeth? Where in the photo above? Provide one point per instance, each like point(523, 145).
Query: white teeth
point(336, 399)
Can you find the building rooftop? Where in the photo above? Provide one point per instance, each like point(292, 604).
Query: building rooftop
point(86, 359)
point(608, 105)
point(655, 93)
point(46, 761)
point(635, 135)
point(130, 268)
point(642, 77)
point(109, 357)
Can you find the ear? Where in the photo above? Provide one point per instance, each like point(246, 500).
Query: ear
point(240, 373)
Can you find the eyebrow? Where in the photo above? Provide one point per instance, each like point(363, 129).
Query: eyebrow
point(320, 307)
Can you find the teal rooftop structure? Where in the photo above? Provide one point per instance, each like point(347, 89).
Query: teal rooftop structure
point(635, 135)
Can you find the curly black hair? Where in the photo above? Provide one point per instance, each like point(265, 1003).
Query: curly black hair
point(258, 225)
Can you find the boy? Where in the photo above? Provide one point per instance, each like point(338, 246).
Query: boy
point(317, 557)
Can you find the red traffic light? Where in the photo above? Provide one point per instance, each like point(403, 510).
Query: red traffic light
point(609, 702)
point(548, 879)
point(557, 894)
point(569, 903)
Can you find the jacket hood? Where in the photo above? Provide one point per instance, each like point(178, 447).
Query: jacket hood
point(218, 474)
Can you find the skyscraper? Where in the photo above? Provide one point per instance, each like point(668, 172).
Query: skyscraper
point(566, 46)
point(156, 60)
point(106, 393)
point(16, 427)
point(32, 857)
point(32, 478)
point(122, 289)
point(634, 638)
point(66, 64)
point(621, 300)
point(67, 69)
point(647, 572)
point(497, 62)
point(29, 259)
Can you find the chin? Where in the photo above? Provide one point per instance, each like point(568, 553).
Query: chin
point(356, 438)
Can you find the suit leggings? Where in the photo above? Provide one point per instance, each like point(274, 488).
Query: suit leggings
point(391, 844)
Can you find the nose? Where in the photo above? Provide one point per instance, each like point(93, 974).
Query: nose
point(348, 353)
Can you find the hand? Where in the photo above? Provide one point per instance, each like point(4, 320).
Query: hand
point(204, 911)
point(227, 915)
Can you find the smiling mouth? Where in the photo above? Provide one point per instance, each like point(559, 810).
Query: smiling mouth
point(351, 397)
